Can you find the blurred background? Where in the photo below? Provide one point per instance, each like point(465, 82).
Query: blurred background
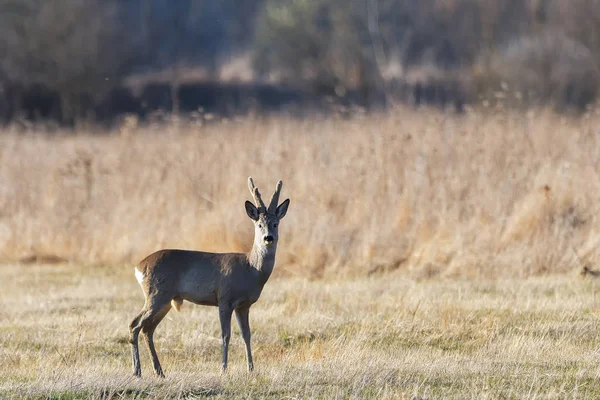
point(431, 137)
point(69, 60)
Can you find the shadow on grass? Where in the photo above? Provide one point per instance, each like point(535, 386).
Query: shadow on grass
point(130, 393)
point(200, 393)
point(104, 394)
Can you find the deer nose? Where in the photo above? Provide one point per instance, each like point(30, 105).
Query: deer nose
point(268, 238)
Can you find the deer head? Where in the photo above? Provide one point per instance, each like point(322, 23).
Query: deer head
point(266, 219)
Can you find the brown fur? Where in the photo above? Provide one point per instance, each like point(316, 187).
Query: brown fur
point(230, 281)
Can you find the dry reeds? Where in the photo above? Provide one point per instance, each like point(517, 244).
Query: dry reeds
point(482, 194)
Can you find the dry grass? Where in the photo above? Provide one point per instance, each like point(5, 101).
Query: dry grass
point(494, 194)
point(502, 199)
point(63, 335)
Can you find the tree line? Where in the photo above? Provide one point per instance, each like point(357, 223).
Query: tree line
point(75, 55)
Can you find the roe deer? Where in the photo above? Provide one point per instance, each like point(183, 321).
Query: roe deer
point(230, 281)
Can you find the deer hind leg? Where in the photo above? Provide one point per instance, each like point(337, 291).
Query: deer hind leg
point(148, 332)
point(133, 339)
point(143, 319)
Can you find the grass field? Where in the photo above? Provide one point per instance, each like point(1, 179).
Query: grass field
point(63, 335)
point(424, 255)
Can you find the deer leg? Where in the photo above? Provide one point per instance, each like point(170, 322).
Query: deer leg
point(134, 332)
point(140, 321)
point(242, 316)
point(225, 318)
point(148, 332)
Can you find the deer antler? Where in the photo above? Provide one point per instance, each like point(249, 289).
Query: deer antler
point(275, 198)
point(256, 194)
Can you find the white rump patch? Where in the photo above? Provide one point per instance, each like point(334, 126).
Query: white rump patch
point(139, 275)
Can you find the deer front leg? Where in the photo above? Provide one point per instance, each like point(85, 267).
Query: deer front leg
point(242, 315)
point(225, 318)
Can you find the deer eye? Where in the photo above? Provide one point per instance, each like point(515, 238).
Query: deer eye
point(275, 225)
point(260, 226)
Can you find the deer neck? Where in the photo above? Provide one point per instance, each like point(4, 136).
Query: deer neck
point(263, 260)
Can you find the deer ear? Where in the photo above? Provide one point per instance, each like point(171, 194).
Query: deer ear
point(282, 209)
point(251, 210)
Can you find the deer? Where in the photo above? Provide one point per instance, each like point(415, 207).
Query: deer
point(230, 281)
